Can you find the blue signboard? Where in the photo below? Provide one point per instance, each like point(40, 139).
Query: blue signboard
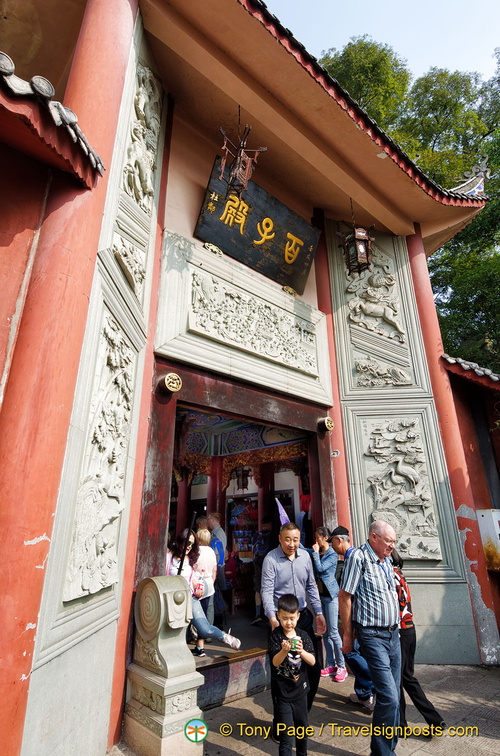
point(259, 231)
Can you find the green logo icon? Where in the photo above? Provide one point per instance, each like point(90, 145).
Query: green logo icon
point(196, 730)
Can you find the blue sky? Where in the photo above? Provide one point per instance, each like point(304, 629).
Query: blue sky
point(455, 34)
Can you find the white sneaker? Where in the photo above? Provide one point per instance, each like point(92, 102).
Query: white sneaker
point(368, 703)
point(230, 640)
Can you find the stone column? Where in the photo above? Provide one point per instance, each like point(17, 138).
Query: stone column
point(463, 499)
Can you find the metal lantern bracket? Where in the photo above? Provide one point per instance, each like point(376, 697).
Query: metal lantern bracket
point(242, 164)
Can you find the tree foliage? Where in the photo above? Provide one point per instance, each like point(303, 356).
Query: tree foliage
point(467, 295)
point(447, 122)
point(373, 74)
point(441, 120)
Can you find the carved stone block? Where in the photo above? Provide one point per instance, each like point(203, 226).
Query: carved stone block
point(162, 682)
point(215, 313)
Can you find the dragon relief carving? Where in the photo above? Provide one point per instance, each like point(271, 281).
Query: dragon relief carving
point(401, 493)
point(228, 314)
point(141, 151)
point(373, 373)
point(93, 563)
point(374, 302)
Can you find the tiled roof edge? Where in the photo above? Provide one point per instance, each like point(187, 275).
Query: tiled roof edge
point(356, 112)
point(41, 90)
point(467, 366)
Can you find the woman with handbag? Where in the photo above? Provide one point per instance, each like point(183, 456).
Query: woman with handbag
point(190, 573)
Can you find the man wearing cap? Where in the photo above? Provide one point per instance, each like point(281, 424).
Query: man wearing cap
point(363, 686)
point(369, 608)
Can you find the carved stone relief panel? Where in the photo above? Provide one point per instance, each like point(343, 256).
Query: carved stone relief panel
point(218, 314)
point(93, 563)
point(399, 488)
point(151, 699)
point(132, 260)
point(82, 588)
point(231, 315)
point(372, 372)
point(373, 299)
point(140, 165)
point(147, 654)
point(376, 322)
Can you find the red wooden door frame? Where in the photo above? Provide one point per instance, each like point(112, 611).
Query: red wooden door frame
point(209, 392)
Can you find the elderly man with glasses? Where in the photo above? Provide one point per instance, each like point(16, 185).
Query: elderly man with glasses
point(370, 612)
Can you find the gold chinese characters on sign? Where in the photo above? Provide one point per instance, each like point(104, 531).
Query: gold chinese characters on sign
point(258, 230)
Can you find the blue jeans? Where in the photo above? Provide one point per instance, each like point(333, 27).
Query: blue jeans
point(204, 628)
point(382, 651)
point(332, 639)
point(363, 685)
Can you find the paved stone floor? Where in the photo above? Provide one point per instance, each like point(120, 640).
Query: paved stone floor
point(467, 697)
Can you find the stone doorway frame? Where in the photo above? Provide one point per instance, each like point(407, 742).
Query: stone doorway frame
point(213, 393)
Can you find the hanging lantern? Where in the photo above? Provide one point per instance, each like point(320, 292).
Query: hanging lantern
point(357, 247)
point(242, 475)
point(242, 164)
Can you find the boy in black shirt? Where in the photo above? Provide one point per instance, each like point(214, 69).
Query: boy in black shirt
point(288, 649)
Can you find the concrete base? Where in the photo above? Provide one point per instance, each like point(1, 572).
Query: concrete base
point(144, 742)
point(157, 711)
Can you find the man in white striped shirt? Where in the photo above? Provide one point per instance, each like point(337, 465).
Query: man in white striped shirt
point(369, 610)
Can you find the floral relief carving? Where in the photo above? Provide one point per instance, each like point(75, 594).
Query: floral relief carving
point(147, 654)
point(400, 491)
point(231, 315)
point(373, 300)
point(373, 373)
point(93, 563)
point(141, 151)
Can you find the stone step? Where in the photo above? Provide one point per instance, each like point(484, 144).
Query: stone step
point(233, 676)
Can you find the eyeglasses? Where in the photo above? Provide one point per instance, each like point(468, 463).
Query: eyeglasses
point(388, 541)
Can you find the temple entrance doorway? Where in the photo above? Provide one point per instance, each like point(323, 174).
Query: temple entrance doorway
point(217, 445)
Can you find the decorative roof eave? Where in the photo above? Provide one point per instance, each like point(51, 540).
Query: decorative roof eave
point(284, 36)
point(472, 371)
point(36, 125)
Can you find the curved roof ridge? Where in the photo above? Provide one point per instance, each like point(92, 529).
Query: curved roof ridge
point(355, 111)
point(41, 90)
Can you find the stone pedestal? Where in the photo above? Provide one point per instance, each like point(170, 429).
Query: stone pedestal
point(162, 681)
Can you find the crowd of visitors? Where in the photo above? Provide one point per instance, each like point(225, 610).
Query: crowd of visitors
point(353, 601)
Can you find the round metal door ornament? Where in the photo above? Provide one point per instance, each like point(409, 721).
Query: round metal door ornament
point(172, 382)
point(326, 424)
